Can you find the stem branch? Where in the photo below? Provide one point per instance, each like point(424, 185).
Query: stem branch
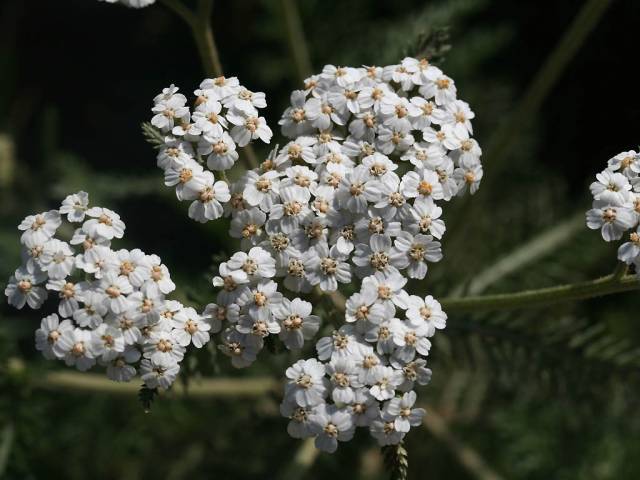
point(543, 297)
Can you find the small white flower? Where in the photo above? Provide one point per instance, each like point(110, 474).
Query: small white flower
point(400, 412)
point(23, 287)
point(39, 228)
point(190, 328)
point(418, 250)
point(297, 322)
point(50, 331)
point(57, 259)
point(74, 206)
point(158, 373)
point(105, 223)
point(74, 347)
point(307, 384)
point(331, 425)
point(613, 219)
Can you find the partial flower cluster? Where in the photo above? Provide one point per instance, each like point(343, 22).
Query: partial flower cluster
point(616, 205)
point(112, 308)
point(351, 201)
point(132, 3)
point(204, 139)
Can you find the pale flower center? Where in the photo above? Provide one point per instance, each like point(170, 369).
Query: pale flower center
point(164, 346)
point(609, 215)
point(113, 291)
point(78, 349)
point(416, 252)
point(379, 260)
point(331, 430)
point(328, 266)
point(260, 299)
point(24, 286)
point(292, 322)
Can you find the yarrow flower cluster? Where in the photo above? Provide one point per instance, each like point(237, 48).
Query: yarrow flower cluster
point(616, 205)
point(225, 116)
point(112, 306)
point(352, 199)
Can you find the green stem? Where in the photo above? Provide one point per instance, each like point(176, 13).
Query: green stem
point(297, 42)
point(543, 297)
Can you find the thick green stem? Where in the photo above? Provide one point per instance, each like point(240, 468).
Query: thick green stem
point(543, 297)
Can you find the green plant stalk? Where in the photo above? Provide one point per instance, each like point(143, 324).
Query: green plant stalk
point(543, 297)
point(295, 37)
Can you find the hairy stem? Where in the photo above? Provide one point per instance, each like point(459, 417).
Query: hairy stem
point(543, 297)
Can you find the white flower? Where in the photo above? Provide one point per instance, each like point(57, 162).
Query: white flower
point(40, 228)
point(240, 347)
point(378, 256)
point(387, 289)
point(134, 265)
point(400, 412)
point(612, 218)
point(299, 426)
point(106, 223)
point(93, 310)
point(120, 369)
point(326, 267)
point(69, 294)
point(628, 163)
point(421, 185)
point(424, 217)
point(385, 433)
point(116, 288)
point(364, 408)
point(158, 373)
point(247, 225)
point(74, 346)
point(245, 100)
point(57, 259)
point(357, 189)
point(361, 307)
point(293, 209)
point(222, 152)
point(307, 384)
point(611, 187)
point(23, 287)
point(343, 376)
point(410, 337)
point(167, 110)
point(107, 342)
point(297, 322)
point(74, 206)
point(248, 127)
point(159, 281)
point(386, 380)
point(97, 260)
point(209, 197)
point(190, 328)
point(50, 331)
point(629, 252)
point(428, 310)
point(415, 372)
point(331, 425)
point(163, 347)
point(418, 250)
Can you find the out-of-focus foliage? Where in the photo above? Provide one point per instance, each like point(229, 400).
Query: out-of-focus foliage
point(539, 394)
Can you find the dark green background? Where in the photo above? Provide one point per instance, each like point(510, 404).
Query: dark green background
point(539, 394)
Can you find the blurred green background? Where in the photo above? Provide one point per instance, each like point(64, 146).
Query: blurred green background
point(539, 394)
